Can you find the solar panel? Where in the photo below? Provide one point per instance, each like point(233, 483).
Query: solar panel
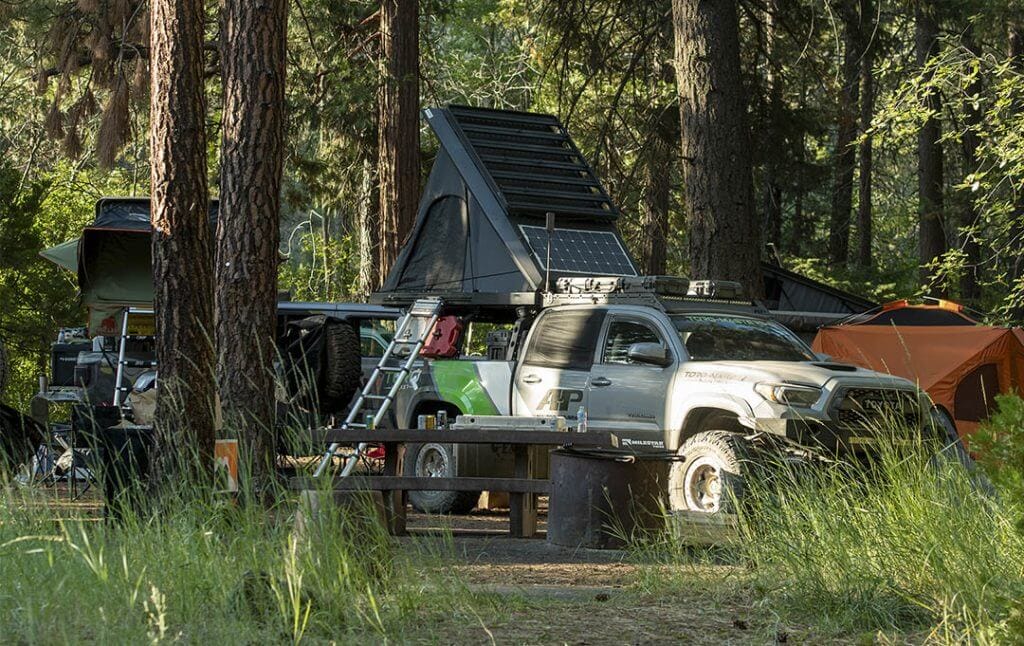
point(578, 251)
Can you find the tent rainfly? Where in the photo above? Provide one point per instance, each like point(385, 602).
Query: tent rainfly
point(961, 364)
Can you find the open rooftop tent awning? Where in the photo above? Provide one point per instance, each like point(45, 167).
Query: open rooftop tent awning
point(480, 228)
point(961, 364)
point(64, 255)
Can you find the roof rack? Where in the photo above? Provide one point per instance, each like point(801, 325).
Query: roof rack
point(642, 290)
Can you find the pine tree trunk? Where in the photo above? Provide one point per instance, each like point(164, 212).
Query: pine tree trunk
point(366, 230)
point(773, 137)
point(725, 235)
point(252, 155)
point(398, 161)
point(182, 240)
point(845, 154)
point(932, 241)
point(970, 289)
point(865, 152)
point(655, 200)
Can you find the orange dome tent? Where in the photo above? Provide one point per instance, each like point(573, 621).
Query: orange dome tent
point(960, 363)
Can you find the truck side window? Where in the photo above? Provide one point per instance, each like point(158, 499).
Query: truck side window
point(621, 335)
point(565, 339)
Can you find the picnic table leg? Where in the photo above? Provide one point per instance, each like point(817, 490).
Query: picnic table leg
point(394, 500)
point(522, 506)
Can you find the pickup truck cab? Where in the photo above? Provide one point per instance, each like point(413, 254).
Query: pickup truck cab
point(710, 379)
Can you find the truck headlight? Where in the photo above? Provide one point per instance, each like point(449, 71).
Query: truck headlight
point(788, 394)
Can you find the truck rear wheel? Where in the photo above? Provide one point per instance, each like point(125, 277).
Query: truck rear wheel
point(710, 476)
point(436, 460)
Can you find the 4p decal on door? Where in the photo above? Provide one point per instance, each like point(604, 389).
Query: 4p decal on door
point(559, 400)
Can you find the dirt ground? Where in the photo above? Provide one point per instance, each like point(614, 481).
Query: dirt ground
point(547, 594)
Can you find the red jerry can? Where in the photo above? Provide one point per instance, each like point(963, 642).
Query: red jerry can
point(443, 341)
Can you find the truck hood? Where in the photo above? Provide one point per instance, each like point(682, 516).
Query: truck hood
point(811, 373)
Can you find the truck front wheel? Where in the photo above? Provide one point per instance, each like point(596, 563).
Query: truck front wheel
point(709, 477)
point(436, 460)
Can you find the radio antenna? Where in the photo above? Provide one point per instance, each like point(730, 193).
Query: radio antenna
point(549, 226)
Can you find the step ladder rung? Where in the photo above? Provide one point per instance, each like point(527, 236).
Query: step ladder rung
point(406, 344)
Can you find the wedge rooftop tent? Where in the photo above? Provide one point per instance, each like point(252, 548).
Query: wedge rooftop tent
point(480, 230)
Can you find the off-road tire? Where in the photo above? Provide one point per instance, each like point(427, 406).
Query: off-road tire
point(710, 476)
point(340, 366)
point(436, 459)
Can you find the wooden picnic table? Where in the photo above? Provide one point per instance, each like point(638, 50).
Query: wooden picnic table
point(522, 488)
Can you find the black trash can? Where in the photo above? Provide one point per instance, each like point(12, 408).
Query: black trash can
point(601, 498)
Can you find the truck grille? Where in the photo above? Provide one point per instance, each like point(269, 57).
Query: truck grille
point(877, 408)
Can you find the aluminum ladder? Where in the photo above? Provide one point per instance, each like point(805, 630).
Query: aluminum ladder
point(408, 338)
point(122, 361)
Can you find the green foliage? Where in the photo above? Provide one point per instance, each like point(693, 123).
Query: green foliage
point(999, 445)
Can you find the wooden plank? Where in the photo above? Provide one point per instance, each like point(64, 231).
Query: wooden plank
point(411, 483)
point(522, 517)
point(463, 436)
point(395, 500)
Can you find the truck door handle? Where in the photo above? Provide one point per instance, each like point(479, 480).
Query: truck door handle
point(531, 379)
point(601, 382)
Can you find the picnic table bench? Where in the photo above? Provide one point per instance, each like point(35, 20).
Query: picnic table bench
point(522, 488)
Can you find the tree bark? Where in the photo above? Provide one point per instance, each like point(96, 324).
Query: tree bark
point(398, 164)
point(970, 289)
point(366, 230)
point(774, 140)
point(655, 199)
point(182, 240)
point(865, 152)
point(845, 154)
point(254, 36)
point(932, 236)
point(724, 231)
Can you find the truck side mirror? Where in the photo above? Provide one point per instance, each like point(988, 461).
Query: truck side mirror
point(653, 354)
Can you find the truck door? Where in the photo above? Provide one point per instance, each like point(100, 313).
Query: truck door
point(552, 376)
point(627, 396)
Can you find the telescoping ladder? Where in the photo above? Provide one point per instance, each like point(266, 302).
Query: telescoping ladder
point(413, 331)
point(120, 390)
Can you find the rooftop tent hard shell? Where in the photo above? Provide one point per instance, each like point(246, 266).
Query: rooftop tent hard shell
point(481, 222)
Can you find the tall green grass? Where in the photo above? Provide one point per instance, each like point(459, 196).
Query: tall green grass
point(910, 543)
point(206, 571)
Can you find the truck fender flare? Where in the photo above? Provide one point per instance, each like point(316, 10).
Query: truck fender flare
point(722, 404)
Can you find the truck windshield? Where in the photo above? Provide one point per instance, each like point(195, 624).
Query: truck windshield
point(718, 337)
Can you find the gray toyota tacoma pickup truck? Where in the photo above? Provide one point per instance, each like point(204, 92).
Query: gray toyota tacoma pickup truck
point(663, 363)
